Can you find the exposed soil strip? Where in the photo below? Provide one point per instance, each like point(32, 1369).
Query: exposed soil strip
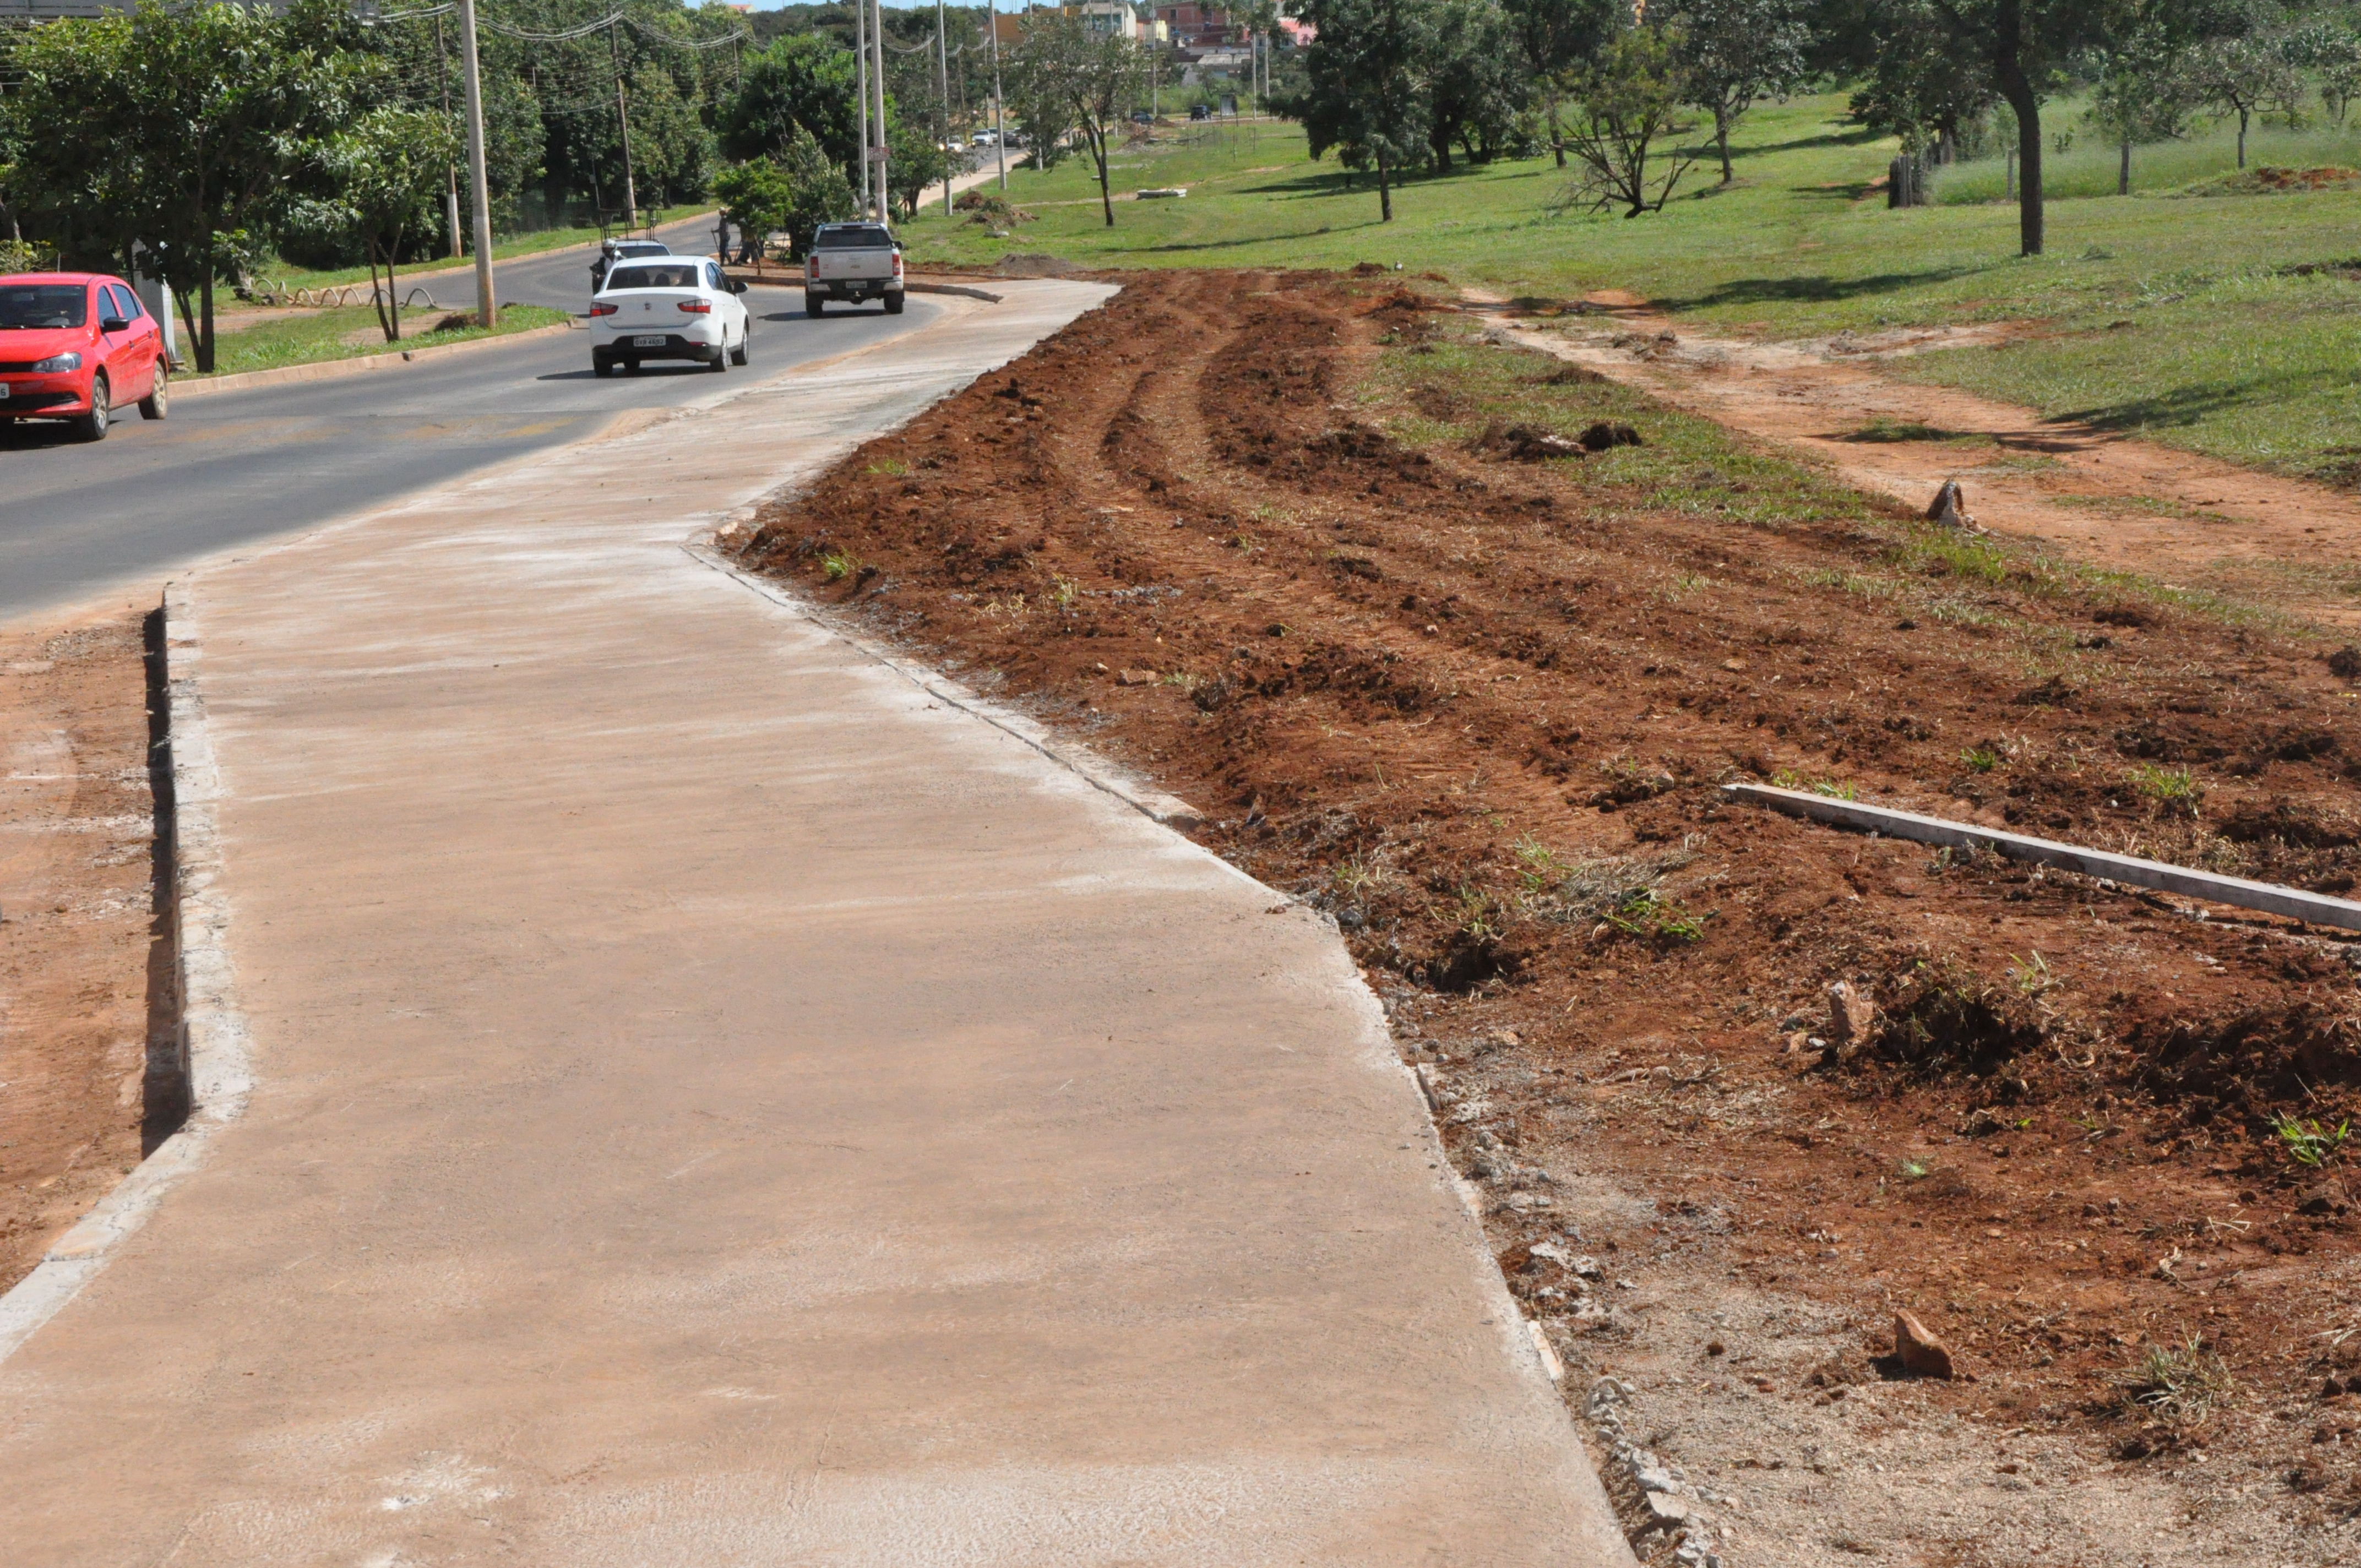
point(1268, 538)
point(79, 949)
point(2106, 498)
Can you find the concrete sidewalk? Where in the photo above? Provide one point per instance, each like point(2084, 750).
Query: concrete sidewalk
point(717, 1105)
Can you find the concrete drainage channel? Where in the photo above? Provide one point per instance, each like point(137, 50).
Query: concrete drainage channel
point(196, 1078)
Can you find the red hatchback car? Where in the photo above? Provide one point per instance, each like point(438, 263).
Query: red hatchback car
point(74, 345)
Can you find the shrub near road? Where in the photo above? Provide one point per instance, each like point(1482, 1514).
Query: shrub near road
point(1267, 538)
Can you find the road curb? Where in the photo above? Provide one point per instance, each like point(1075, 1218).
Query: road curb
point(219, 1077)
point(333, 369)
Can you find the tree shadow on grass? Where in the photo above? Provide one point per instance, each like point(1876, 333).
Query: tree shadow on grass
point(1241, 241)
point(2182, 406)
point(1815, 289)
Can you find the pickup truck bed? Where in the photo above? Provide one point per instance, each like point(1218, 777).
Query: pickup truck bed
point(853, 262)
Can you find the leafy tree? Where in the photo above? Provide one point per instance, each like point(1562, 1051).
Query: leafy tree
point(2333, 52)
point(2021, 49)
point(757, 196)
point(1924, 89)
point(1736, 51)
point(2145, 92)
point(174, 128)
point(2246, 76)
point(1553, 37)
point(1093, 77)
point(915, 160)
point(672, 152)
point(1627, 103)
point(387, 172)
point(1475, 85)
point(817, 191)
point(1365, 93)
point(806, 83)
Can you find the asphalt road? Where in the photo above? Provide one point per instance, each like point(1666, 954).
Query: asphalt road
point(238, 468)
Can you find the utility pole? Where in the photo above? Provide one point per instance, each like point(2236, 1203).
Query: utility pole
point(943, 105)
point(486, 306)
point(999, 121)
point(860, 65)
point(631, 191)
point(877, 42)
point(450, 170)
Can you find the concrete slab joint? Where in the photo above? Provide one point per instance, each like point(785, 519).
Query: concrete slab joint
point(729, 1095)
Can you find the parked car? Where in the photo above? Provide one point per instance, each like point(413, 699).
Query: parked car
point(853, 261)
point(75, 345)
point(1142, 118)
point(680, 307)
point(985, 138)
point(1200, 111)
point(610, 251)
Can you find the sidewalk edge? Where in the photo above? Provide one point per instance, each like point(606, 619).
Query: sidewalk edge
point(1170, 810)
point(219, 1078)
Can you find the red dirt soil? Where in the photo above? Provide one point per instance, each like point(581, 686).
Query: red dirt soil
point(1477, 708)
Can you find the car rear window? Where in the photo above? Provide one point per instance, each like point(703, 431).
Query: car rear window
point(641, 247)
point(678, 277)
point(43, 305)
point(854, 236)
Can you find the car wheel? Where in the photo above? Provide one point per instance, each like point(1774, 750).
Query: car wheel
point(157, 403)
point(721, 365)
point(892, 305)
point(92, 426)
point(630, 366)
point(601, 366)
point(745, 349)
point(814, 305)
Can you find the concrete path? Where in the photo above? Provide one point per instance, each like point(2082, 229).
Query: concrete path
point(717, 1104)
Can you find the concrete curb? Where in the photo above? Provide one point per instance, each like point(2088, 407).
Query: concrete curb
point(219, 1077)
point(333, 369)
point(1170, 810)
point(984, 294)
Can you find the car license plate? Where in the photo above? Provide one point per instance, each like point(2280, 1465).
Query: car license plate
point(647, 343)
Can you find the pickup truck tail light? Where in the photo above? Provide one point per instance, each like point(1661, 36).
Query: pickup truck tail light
point(599, 310)
point(811, 267)
point(696, 307)
point(897, 264)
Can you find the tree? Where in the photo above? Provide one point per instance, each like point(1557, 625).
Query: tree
point(915, 160)
point(1366, 89)
point(1475, 85)
point(1627, 102)
point(2019, 48)
point(387, 174)
point(801, 83)
point(1093, 78)
point(173, 128)
point(2331, 49)
point(2145, 93)
point(2246, 76)
point(1736, 51)
point(1553, 37)
point(817, 192)
point(757, 197)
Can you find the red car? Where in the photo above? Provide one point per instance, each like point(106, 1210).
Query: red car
point(74, 345)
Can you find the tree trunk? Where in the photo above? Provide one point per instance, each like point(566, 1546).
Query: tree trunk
point(2008, 72)
point(393, 300)
point(1557, 136)
point(2124, 171)
point(1106, 201)
point(376, 299)
point(1385, 191)
point(2241, 138)
point(205, 316)
point(1722, 140)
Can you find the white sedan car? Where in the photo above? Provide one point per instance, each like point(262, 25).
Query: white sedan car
point(677, 307)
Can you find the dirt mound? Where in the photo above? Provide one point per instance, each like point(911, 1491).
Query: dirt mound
point(2273, 180)
point(1477, 712)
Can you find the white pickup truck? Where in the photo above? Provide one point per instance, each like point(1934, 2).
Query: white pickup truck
point(853, 261)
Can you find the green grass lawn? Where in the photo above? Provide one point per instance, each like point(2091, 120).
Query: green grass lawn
point(2177, 316)
point(332, 335)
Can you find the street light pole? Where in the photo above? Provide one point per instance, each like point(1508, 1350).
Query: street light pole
point(861, 67)
point(943, 104)
point(450, 170)
point(486, 306)
point(999, 120)
point(622, 119)
point(877, 42)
